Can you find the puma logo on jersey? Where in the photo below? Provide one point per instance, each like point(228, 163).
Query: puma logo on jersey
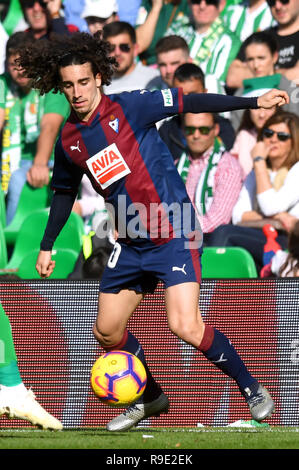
point(108, 166)
point(76, 147)
point(176, 268)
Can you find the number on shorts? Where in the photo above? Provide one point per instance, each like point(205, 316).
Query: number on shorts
point(114, 256)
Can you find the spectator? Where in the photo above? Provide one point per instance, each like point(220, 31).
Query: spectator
point(30, 128)
point(171, 51)
point(261, 53)
point(286, 34)
point(212, 46)
point(153, 20)
point(270, 191)
point(191, 79)
point(12, 17)
point(97, 13)
point(247, 17)
point(285, 263)
point(251, 123)
point(3, 41)
point(89, 202)
point(129, 75)
point(43, 18)
point(212, 176)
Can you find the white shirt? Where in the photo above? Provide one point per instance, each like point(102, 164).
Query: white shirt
point(270, 202)
point(3, 41)
point(136, 80)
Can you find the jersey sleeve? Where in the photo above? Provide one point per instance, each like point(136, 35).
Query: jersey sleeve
point(145, 107)
point(66, 175)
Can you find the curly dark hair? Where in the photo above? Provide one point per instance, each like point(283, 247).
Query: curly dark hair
point(42, 60)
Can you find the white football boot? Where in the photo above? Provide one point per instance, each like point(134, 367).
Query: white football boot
point(138, 412)
point(23, 405)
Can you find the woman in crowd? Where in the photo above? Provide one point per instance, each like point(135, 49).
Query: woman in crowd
point(271, 189)
point(261, 54)
point(252, 122)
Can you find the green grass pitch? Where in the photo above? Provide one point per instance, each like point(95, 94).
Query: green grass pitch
point(152, 438)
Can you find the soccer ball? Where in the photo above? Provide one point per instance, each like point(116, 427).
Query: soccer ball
point(118, 378)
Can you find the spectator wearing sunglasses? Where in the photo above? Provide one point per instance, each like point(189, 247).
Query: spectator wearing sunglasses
point(153, 20)
point(270, 192)
point(213, 177)
point(286, 35)
point(247, 17)
point(251, 123)
point(261, 55)
point(212, 46)
point(97, 13)
point(128, 75)
point(44, 18)
point(191, 79)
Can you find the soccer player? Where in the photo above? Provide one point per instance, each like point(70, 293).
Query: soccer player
point(114, 140)
point(15, 400)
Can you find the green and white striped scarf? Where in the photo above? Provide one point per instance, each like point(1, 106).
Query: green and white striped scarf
point(205, 186)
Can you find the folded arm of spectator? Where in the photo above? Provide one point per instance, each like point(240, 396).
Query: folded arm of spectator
point(273, 202)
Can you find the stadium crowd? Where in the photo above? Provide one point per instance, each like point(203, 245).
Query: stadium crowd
point(239, 167)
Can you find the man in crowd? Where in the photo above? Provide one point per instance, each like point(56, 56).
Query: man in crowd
point(43, 17)
point(213, 177)
point(128, 75)
point(30, 125)
point(97, 13)
point(191, 79)
point(212, 46)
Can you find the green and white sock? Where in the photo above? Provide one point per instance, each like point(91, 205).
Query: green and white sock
point(9, 371)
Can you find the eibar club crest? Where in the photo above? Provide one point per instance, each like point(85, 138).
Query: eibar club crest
point(108, 166)
point(114, 123)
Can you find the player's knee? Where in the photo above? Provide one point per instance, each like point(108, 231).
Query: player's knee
point(107, 339)
point(187, 331)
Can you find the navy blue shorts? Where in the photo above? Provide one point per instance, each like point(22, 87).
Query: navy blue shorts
point(141, 268)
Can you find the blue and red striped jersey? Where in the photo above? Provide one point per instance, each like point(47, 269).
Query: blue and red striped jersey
point(128, 164)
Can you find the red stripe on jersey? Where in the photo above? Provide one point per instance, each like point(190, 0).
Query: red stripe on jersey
point(180, 99)
point(196, 262)
point(139, 184)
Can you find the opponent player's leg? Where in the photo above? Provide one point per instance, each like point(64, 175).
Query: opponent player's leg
point(111, 331)
point(185, 321)
point(15, 400)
